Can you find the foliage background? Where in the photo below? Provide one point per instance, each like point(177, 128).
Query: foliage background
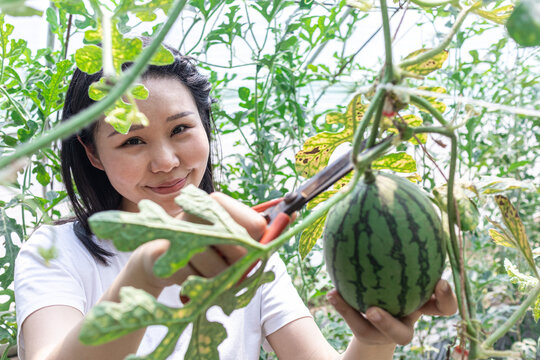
point(278, 69)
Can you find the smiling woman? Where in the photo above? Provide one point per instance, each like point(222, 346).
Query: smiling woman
point(115, 171)
point(154, 162)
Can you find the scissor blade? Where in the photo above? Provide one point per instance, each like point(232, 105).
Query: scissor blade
point(327, 177)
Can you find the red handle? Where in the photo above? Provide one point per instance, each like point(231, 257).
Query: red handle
point(273, 231)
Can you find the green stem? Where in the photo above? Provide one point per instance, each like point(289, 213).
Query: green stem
point(431, 3)
point(376, 123)
point(420, 101)
point(443, 45)
point(389, 70)
point(432, 129)
point(512, 320)
point(376, 102)
point(89, 115)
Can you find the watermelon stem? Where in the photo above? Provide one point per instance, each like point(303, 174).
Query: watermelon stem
point(444, 44)
point(512, 320)
point(359, 133)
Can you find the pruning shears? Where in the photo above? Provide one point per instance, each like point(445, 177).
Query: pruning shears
point(278, 212)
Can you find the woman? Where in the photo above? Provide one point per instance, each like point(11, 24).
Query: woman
point(116, 171)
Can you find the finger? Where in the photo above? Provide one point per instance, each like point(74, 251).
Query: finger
point(442, 302)
point(399, 331)
point(245, 216)
point(230, 253)
point(208, 263)
point(359, 325)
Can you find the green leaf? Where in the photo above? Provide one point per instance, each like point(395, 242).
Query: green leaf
point(518, 164)
point(139, 91)
point(162, 57)
point(8, 228)
point(89, 59)
point(99, 89)
point(524, 23)
point(514, 224)
point(317, 149)
point(18, 8)
point(129, 230)
point(56, 86)
point(42, 176)
point(243, 93)
point(306, 4)
point(429, 65)
point(137, 309)
point(400, 162)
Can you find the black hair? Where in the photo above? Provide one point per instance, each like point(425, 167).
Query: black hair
point(89, 188)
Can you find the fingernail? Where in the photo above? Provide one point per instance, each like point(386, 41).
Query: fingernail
point(445, 286)
point(373, 315)
point(331, 299)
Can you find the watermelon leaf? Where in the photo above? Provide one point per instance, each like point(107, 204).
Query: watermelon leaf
point(137, 309)
point(428, 66)
point(514, 224)
point(317, 149)
point(399, 162)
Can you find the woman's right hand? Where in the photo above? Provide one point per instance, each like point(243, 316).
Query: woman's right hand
point(213, 260)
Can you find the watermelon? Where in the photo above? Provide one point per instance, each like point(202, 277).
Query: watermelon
point(384, 245)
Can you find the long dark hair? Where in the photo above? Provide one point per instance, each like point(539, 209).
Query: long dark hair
point(94, 191)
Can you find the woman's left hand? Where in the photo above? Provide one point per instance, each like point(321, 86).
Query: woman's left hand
point(378, 327)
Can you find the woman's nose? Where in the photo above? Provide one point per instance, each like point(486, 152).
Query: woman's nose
point(163, 158)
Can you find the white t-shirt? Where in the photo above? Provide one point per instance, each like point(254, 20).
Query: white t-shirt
point(74, 278)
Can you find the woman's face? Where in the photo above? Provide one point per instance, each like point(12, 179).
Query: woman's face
point(156, 161)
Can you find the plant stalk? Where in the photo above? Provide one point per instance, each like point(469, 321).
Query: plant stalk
point(443, 45)
point(512, 320)
point(376, 102)
point(389, 69)
point(89, 115)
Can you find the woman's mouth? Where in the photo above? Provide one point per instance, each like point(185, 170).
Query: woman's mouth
point(169, 186)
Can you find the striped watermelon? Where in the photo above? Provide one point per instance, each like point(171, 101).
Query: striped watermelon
point(384, 245)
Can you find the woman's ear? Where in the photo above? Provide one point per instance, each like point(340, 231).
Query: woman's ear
point(91, 154)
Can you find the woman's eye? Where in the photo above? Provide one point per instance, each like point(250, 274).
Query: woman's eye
point(133, 141)
point(179, 129)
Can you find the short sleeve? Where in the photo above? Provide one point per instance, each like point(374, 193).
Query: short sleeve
point(39, 284)
point(280, 302)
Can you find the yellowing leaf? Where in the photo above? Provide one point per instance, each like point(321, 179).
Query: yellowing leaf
point(493, 185)
point(411, 121)
point(89, 59)
point(498, 15)
point(500, 239)
point(399, 162)
point(514, 224)
point(439, 106)
point(310, 236)
point(415, 178)
point(139, 92)
point(317, 149)
point(429, 65)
